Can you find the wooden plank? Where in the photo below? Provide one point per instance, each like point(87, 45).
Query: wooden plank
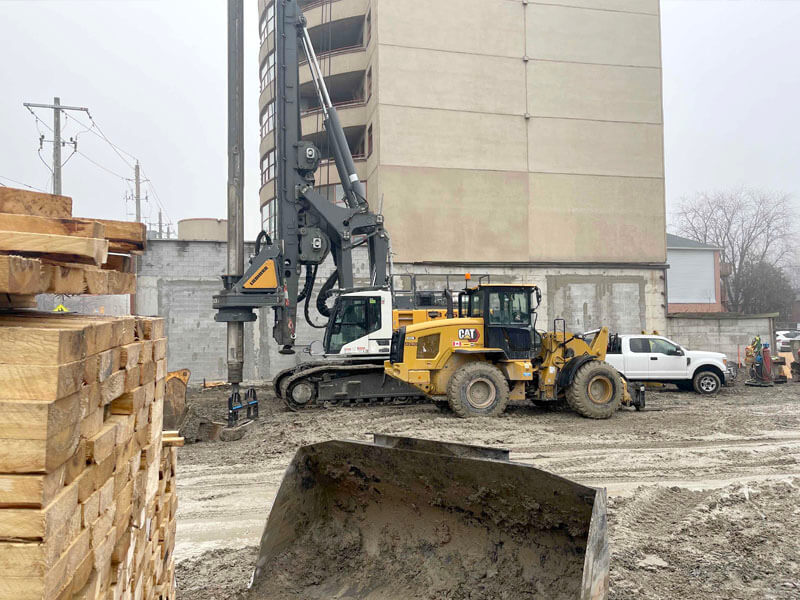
point(63, 279)
point(24, 202)
point(98, 330)
point(73, 249)
point(150, 328)
point(119, 262)
point(40, 345)
point(17, 301)
point(147, 372)
point(101, 281)
point(130, 402)
point(20, 275)
point(40, 382)
point(101, 446)
point(37, 437)
point(33, 585)
point(125, 235)
point(113, 387)
point(34, 491)
point(19, 558)
point(129, 355)
point(39, 523)
point(86, 228)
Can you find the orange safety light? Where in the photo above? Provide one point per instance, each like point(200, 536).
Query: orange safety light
point(467, 276)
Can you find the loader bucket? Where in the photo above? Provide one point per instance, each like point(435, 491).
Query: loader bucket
point(404, 518)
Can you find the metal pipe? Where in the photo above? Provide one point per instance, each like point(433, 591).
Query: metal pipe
point(235, 338)
point(312, 58)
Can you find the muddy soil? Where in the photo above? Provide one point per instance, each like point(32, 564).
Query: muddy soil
point(704, 493)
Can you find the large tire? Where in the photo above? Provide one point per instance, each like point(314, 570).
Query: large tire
point(706, 382)
point(596, 390)
point(477, 390)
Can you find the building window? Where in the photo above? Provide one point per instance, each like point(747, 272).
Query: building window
point(368, 84)
point(368, 28)
point(369, 141)
point(268, 167)
point(267, 119)
point(269, 218)
point(267, 23)
point(268, 70)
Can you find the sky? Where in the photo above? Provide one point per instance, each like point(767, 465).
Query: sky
point(153, 74)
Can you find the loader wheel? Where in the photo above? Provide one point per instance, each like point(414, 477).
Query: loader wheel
point(596, 390)
point(477, 390)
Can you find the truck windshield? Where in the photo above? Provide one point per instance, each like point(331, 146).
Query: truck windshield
point(509, 308)
point(354, 318)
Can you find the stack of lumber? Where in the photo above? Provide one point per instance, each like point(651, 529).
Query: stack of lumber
point(87, 482)
point(43, 249)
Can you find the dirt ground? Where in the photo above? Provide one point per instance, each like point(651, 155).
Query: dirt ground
point(704, 493)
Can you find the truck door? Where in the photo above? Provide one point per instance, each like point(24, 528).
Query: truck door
point(637, 360)
point(667, 360)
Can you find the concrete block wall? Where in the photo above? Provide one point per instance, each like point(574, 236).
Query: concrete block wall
point(726, 333)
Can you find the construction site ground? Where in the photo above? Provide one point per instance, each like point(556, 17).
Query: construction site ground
point(704, 492)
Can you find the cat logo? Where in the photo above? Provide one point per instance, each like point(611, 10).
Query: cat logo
point(471, 334)
point(60, 308)
point(263, 279)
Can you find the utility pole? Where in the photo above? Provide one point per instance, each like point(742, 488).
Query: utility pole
point(57, 146)
point(235, 185)
point(138, 196)
point(56, 107)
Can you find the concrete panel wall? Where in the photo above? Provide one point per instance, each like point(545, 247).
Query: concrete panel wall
point(727, 334)
point(600, 92)
point(624, 299)
point(596, 218)
point(489, 27)
point(452, 139)
point(595, 148)
point(451, 80)
point(582, 35)
point(648, 7)
point(454, 215)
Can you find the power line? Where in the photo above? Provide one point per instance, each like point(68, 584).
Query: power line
point(97, 164)
point(20, 183)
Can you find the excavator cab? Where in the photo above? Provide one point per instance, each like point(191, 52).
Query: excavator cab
point(360, 323)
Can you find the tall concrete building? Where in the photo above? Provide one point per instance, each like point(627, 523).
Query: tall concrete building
point(521, 138)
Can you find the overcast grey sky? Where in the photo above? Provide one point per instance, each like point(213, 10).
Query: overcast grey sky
point(153, 74)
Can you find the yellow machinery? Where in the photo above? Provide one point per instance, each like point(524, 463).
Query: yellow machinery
point(491, 353)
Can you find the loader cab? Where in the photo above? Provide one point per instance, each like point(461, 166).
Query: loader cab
point(360, 323)
point(509, 316)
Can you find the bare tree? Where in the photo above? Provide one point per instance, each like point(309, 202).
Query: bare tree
point(751, 227)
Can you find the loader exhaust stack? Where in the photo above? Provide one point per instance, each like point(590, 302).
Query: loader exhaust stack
point(408, 518)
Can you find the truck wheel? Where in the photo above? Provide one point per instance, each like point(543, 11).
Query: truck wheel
point(596, 390)
point(706, 382)
point(477, 390)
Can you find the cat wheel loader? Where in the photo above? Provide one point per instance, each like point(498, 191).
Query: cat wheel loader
point(491, 353)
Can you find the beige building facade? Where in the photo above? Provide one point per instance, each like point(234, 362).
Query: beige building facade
point(517, 137)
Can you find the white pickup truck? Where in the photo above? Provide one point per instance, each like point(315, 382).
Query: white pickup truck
point(655, 358)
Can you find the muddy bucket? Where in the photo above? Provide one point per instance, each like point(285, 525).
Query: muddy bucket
point(403, 518)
